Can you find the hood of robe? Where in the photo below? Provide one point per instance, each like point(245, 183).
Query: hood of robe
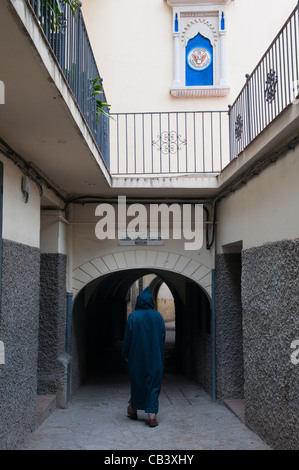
point(145, 300)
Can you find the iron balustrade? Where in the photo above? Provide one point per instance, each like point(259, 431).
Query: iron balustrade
point(173, 142)
point(269, 89)
point(169, 142)
point(69, 41)
point(205, 142)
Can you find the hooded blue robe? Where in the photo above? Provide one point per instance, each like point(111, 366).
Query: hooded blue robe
point(144, 347)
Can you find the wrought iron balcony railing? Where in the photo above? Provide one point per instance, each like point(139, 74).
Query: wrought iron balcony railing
point(68, 38)
point(174, 142)
point(170, 142)
point(205, 142)
point(270, 88)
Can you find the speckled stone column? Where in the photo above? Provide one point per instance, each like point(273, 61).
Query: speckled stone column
point(270, 297)
point(229, 350)
point(53, 361)
point(19, 332)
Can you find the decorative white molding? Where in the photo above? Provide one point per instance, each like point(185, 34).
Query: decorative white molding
point(199, 92)
point(196, 13)
point(191, 29)
point(181, 3)
point(142, 258)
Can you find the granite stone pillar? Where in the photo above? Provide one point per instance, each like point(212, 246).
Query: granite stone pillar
point(19, 333)
point(229, 350)
point(53, 359)
point(270, 297)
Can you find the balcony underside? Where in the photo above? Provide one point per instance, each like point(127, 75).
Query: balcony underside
point(41, 121)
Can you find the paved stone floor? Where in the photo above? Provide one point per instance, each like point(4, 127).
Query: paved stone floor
point(188, 419)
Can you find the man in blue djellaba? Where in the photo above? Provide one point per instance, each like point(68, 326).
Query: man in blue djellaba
point(143, 348)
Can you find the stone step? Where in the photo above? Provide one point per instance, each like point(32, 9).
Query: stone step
point(45, 405)
point(237, 407)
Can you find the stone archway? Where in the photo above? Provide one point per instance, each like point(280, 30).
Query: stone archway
point(142, 258)
point(100, 311)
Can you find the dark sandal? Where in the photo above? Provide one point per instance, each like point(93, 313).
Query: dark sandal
point(132, 414)
point(152, 423)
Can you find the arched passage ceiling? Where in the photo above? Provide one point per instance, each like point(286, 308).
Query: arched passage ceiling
point(117, 284)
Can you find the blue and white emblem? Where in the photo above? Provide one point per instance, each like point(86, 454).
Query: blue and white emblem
point(199, 58)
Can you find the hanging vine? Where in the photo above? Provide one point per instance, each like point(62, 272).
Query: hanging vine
point(101, 106)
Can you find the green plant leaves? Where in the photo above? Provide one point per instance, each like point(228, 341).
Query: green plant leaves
point(55, 9)
point(100, 105)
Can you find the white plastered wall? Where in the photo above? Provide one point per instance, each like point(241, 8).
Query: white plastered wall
point(21, 221)
point(56, 237)
point(93, 258)
point(132, 42)
point(265, 209)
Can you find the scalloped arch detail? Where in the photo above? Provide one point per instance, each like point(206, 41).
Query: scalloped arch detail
point(191, 29)
point(138, 259)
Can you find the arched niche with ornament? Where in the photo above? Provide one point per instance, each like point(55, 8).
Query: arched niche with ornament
point(199, 36)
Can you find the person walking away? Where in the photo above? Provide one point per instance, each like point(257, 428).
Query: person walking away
point(143, 349)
